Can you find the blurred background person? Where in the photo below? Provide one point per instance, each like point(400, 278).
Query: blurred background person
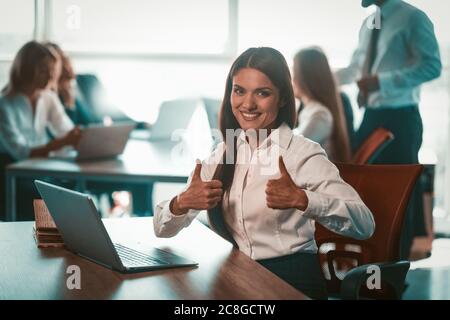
point(27, 111)
point(64, 84)
point(396, 54)
point(321, 116)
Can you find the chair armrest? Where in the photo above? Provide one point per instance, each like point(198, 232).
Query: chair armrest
point(392, 273)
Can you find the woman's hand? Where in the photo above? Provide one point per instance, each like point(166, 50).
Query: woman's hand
point(283, 193)
point(72, 138)
point(199, 195)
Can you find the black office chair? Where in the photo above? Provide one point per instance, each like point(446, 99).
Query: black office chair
point(93, 95)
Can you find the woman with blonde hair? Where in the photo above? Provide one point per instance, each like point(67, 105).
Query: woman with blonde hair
point(28, 112)
point(321, 117)
point(28, 108)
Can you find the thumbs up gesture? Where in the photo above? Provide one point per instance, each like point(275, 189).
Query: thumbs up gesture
point(200, 195)
point(283, 193)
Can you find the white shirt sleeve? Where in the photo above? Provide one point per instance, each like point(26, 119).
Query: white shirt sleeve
point(331, 201)
point(428, 64)
point(317, 127)
point(11, 137)
point(165, 223)
point(58, 121)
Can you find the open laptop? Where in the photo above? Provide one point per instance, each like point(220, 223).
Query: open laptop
point(98, 142)
point(173, 115)
point(83, 232)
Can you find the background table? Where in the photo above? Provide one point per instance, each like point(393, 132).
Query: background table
point(142, 162)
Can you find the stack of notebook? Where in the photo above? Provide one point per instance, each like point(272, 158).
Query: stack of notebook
point(45, 232)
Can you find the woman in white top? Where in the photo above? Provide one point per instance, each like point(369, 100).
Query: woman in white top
point(28, 109)
point(265, 188)
point(321, 115)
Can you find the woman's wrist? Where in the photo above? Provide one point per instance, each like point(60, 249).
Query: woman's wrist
point(301, 198)
point(55, 144)
point(175, 207)
point(45, 150)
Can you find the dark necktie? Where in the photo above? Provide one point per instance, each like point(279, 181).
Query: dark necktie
point(368, 63)
point(371, 52)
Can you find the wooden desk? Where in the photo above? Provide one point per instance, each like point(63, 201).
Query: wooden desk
point(142, 162)
point(27, 272)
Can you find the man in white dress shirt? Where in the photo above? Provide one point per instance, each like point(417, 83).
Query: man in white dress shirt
point(397, 52)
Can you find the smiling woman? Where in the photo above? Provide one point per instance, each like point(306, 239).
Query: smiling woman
point(268, 214)
point(254, 100)
point(258, 89)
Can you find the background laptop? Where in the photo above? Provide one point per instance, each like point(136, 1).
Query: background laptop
point(83, 232)
point(98, 141)
point(173, 115)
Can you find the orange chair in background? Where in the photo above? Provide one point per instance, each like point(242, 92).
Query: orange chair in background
point(372, 146)
point(386, 190)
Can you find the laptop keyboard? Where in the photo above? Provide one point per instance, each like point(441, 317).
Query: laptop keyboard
point(133, 258)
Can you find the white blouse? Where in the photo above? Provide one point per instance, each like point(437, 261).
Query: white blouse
point(261, 232)
point(315, 122)
point(21, 131)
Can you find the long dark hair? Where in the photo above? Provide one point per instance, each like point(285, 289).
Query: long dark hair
point(272, 63)
point(32, 63)
point(313, 75)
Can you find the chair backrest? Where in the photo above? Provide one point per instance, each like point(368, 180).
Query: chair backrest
point(93, 94)
point(372, 146)
point(173, 115)
point(386, 190)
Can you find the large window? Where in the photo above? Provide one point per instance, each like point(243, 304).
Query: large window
point(16, 28)
point(141, 26)
point(148, 51)
point(290, 25)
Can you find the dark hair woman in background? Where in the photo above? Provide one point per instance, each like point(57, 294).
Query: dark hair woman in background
point(322, 116)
